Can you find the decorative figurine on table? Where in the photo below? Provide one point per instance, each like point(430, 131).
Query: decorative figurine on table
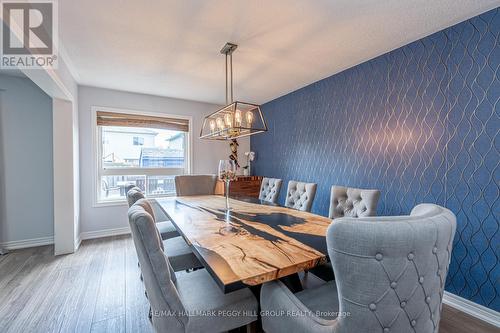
point(250, 158)
point(234, 152)
point(227, 173)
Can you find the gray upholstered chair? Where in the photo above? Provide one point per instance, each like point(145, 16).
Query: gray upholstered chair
point(195, 184)
point(166, 228)
point(181, 256)
point(134, 194)
point(348, 202)
point(390, 276)
point(183, 303)
point(353, 202)
point(300, 196)
point(270, 189)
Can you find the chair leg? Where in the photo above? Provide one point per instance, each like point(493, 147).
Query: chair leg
point(150, 314)
point(194, 269)
point(252, 327)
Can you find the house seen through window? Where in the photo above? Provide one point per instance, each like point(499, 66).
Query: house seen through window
point(147, 152)
point(138, 141)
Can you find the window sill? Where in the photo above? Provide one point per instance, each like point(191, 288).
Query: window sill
point(100, 204)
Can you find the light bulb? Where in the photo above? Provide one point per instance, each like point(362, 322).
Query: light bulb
point(237, 118)
point(220, 123)
point(228, 119)
point(249, 116)
point(212, 125)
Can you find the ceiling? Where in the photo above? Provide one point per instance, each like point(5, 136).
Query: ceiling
point(171, 48)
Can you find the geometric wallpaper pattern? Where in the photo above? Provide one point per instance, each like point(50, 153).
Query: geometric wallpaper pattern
point(420, 123)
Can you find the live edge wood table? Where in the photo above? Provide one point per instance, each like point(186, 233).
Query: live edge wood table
point(253, 244)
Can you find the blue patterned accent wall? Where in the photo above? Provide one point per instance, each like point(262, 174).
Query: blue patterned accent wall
point(419, 123)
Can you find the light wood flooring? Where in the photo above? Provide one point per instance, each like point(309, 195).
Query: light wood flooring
point(98, 289)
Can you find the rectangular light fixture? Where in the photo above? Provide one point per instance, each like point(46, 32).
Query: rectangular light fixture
point(236, 119)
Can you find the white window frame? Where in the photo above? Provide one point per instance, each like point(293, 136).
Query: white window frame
point(99, 171)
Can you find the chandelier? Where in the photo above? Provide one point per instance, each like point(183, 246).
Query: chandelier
point(236, 119)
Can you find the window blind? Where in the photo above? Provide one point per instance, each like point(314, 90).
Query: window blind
point(132, 120)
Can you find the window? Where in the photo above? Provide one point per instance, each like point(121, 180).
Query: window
point(139, 150)
point(138, 141)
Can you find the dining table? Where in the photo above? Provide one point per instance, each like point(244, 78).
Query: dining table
point(252, 243)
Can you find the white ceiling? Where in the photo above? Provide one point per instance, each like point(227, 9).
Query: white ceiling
point(171, 48)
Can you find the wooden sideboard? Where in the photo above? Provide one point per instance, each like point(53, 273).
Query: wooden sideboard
point(247, 186)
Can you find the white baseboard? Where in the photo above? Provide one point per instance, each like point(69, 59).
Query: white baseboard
point(476, 310)
point(78, 242)
point(34, 242)
point(24, 243)
point(104, 233)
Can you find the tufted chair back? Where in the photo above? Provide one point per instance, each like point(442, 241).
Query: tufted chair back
point(133, 195)
point(131, 186)
point(270, 189)
point(195, 184)
point(353, 202)
point(390, 271)
point(158, 276)
point(300, 196)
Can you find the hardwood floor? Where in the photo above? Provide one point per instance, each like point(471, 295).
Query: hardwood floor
point(98, 289)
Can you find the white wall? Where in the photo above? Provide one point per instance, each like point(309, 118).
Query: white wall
point(206, 154)
point(66, 192)
point(3, 192)
point(25, 161)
